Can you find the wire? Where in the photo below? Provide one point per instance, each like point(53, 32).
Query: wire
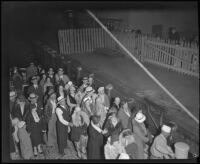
point(143, 67)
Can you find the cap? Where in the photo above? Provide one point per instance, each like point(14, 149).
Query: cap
point(140, 117)
point(166, 129)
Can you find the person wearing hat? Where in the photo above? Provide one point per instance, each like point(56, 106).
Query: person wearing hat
point(86, 103)
point(84, 84)
point(102, 104)
point(21, 108)
point(124, 114)
point(50, 119)
point(63, 124)
point(13, 96)
point(159, 148)
point(31, 71)
point(95, 139)
point(37, 89)
point(35, 123)
point(141, 134)
point(61, 78)
point(24, 141)
point(51, 75)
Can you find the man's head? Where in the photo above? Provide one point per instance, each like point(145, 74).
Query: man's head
point(50, 72)
point(32, 64)
point(21, 98)
point(61, 101)
point(90, 80)
point(60, 71)
point(101, 90)
point(89, 91)
point(34, 80)
point(85, 80)
point(33, 98)
point(124, 104)
point(140, 117)
point(117, 100)
point(165, 130)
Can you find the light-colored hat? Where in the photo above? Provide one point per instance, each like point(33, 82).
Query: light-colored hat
point(60, 69)
point(140, 117)
point(70, 83)
point(72, 88)
point(85, 78)
point(166, 129)
point(34, 78)
point(101, 89)
point(21, 124)
point(32, 96)
point(89, 89)
point(13, 94)
point(60, 99)
point(124, 156)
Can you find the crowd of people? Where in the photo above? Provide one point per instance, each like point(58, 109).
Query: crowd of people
point(47, 103)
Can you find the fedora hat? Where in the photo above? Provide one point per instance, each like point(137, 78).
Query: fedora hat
point(60, 99)
point(89, 90)
point(140, 117)
point(32, 96)
point(34, 78)
point(85, 78)
point(13, 94)
point(166, 129)
point(60, 69)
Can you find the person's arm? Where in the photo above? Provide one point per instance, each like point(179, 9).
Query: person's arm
point(138, 132)
point(163, 148)
point(69, 103)
point(60, 117)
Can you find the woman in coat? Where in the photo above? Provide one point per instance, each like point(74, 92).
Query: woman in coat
point(95, 139)
point(79, 135)
point(35, 124)
point(50, 118)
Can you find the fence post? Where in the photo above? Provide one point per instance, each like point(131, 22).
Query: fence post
point(142, 49)
point(78, 75)
point(69, 68)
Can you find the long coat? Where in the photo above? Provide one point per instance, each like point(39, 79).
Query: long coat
point(95, 143)
point(50, 119)
point(35, 128)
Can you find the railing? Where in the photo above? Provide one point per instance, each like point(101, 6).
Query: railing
point(175, 57)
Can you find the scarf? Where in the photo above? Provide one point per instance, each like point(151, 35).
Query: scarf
point(35, 115)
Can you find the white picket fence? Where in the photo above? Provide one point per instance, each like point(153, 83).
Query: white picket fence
point(175, 57)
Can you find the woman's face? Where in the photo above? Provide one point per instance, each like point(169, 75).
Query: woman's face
point(114, 120)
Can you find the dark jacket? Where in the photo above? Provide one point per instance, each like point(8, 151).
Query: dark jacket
point(17, 112)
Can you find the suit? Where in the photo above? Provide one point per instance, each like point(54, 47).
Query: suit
point(18, 113)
